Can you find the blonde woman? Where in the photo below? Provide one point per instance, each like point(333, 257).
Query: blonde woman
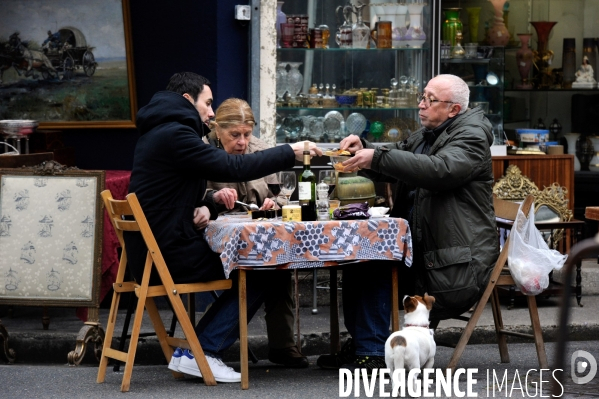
point(231, 131)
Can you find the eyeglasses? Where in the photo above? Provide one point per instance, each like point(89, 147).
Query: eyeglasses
point(428, 101)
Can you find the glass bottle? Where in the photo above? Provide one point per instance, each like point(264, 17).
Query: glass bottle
point(359, 31)
point(458, 51)
point(307, 188)
point(343, 38)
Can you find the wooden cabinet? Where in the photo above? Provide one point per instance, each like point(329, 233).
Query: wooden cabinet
point(543, 170)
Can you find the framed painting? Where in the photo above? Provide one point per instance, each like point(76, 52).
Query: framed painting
point(50, 236)
point(67, 63)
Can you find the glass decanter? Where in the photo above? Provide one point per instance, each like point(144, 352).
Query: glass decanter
point(359, 31)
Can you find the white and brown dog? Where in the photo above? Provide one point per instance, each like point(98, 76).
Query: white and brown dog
point(413, 347)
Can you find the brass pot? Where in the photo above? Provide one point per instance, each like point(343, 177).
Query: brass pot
point(352, 188)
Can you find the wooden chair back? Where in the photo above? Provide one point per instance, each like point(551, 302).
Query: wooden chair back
point(118, 210)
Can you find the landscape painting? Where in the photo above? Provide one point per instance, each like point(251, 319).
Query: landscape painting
point(67, 63)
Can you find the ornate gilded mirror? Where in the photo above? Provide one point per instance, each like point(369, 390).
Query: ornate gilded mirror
point(514, 186)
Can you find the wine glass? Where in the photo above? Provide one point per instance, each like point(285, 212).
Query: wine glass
point(328, 176)
point(287, 183)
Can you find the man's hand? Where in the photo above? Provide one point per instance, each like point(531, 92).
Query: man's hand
point(201, 216)
point(298, 149)
point(226, 196)
point(268, 204)
point(351, 143)
point(361, 160)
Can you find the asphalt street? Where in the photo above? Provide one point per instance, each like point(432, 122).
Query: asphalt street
point(269, 381)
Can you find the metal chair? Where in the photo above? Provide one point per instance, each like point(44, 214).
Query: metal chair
point(117, 210)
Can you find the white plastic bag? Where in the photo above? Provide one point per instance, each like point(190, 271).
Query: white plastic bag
point(530, 260)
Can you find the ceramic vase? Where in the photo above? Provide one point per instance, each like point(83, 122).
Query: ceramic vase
point(295, 80)
point(415, 36)
point(594, 164)
point(473, 20)
point(451, 25)
point(281, 19)
point(498, 35)
point(569, 62)
point(584, 152)
point(524, 60)
point(571, 139)
point(542, 57)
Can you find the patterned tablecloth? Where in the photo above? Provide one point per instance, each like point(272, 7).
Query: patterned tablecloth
point(252, 244)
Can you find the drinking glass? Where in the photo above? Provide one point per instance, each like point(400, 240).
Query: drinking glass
point(328, 176)
point(287, 183)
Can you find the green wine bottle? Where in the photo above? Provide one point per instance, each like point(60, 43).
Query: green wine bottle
point(307, 188)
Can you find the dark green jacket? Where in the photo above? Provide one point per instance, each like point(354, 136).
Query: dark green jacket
point(453, 222)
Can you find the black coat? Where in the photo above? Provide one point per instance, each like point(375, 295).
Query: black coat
point(170, 168)
point(453, 221)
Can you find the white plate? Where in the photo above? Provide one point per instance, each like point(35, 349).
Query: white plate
point(379, 216)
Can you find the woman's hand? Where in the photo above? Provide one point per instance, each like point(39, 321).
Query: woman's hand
point(201, 216)
point(226, 196)
point(268, 204)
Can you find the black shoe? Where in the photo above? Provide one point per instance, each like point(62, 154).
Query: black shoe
point(346, 355)
point(366, 362)
point(288, 357)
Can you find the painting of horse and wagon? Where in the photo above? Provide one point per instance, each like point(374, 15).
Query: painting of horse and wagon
point(65, 63)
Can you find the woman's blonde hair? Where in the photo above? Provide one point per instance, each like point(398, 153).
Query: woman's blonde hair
point(233, 112)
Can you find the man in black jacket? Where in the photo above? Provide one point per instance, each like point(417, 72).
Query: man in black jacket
point(444, 182)
point(170, 168)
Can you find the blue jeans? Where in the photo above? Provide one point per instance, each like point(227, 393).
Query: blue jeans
point(367, 305)
point(218, 329)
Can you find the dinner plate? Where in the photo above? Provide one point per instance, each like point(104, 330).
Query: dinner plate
point(379, 216)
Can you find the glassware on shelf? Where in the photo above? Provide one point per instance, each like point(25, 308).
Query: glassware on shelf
point(415, 36)
point(360, 32)
point(458, 51)
point(295, 80)
point(524, 58)
point(281, 19)
point(281, 80)
point(355, 123)
point(326, 34)
point(542, 57)
point(473, 21)
point(343, 38)
point(498, 35)
point(451, 25)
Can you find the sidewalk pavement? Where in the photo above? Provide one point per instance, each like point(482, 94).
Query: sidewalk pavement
point(35, 345)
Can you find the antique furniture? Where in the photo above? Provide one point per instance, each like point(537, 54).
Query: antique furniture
point(500, 277)
point(146, 293)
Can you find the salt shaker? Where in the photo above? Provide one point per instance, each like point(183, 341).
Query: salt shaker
point(322, 204)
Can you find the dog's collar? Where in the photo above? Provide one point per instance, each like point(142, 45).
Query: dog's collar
point(417, 325)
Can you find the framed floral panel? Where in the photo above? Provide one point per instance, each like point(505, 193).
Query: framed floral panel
point(67, 63)
point(50, 236)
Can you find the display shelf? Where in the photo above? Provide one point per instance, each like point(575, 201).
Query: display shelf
point(350, 69)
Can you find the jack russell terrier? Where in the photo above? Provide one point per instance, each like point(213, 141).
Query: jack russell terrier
point(413, 347)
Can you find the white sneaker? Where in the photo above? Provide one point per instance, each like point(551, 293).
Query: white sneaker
point(175, 360)
point(221, 372)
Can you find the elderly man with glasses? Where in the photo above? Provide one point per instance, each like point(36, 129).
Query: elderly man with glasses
point(444, 179)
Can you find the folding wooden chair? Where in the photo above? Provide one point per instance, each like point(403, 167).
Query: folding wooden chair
point(500, 276)
point(146, 293)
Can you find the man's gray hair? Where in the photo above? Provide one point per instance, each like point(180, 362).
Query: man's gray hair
point(460, 92)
